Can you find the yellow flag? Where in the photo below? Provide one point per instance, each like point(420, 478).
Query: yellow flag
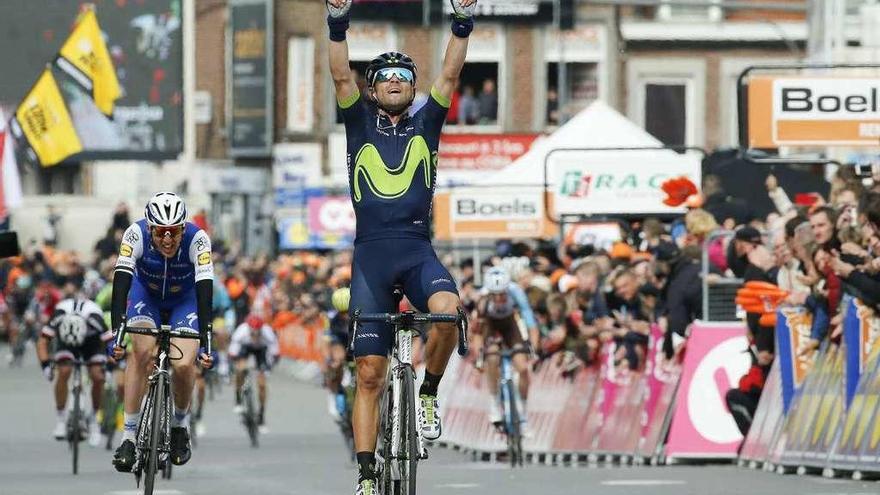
point(85, 57)
point(43, 119)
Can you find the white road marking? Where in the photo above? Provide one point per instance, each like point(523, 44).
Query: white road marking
point(139, 492)
point(642, 482)
point(458, 485)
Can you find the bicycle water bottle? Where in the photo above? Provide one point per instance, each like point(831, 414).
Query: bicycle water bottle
point(340, 403)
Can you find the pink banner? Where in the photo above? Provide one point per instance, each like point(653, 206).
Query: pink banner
point(661, 378)
point(714, 361)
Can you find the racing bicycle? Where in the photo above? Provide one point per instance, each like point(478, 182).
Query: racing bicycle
point(399, 445)
point(76, 420)
point(509, 398)
point(153, 440)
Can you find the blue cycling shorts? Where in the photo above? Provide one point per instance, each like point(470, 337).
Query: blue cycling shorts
point(379, 265)
point(144, 308)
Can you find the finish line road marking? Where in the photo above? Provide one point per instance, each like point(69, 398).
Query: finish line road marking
point(642, 482)
point(138, 492)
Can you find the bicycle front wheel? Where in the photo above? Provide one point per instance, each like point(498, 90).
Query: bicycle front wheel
point(251, 418)
point(409, 440)
point(157, 396)
point(514, 433)
point(73, 431)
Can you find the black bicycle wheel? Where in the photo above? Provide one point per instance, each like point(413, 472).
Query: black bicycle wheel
point(157, 393)
point(108, 419)
point(75, 424)
point(409, 440)
point(383, 447)
point(251, 417)
point(514, 434)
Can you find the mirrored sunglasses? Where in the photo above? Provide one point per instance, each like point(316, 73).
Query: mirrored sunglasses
point(402, 74)
point(163, 231)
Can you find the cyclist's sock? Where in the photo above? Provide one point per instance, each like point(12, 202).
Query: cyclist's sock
point(62, 414)
point(365, 461)
point(181, 418)
point(129, 428)
point(430, 383)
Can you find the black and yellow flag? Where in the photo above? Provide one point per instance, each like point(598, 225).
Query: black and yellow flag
point(85, 57)
point(42, 119)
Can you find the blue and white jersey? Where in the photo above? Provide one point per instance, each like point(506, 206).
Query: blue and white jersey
point(516, 299)
point(166, 279)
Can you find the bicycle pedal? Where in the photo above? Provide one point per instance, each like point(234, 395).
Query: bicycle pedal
point(424, 454)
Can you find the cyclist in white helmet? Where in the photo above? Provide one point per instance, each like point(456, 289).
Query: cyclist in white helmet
point(499, 326)
point(164, 275)
point(78, 330)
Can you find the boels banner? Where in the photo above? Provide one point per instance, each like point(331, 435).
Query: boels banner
point(490, 213)
point(820, 111)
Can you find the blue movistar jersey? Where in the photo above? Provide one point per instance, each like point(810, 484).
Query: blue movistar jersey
point(166, 278)
point(392, 168)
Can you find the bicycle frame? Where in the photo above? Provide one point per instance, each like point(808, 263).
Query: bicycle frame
point(401, 362)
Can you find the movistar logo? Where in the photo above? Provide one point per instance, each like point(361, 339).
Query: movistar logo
point(389, 183)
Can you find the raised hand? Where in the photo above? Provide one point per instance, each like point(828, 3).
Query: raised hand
point(338, 8)
point(464, 8)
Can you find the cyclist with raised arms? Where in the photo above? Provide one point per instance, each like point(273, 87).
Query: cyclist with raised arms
point(499, 326)
point(164, 274)
point(392, 160)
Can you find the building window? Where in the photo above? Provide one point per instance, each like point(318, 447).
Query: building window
point(581, 86)
point(666, 113)
point(667, 98)
point(478, 104)
point(476, 100)
point(674, 11)
point(60, 179)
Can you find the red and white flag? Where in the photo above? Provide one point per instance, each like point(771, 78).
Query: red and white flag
point(10, 181)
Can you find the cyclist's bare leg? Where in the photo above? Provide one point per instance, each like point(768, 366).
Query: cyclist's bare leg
point(365, 417)
point(200, 394)
point(261, 389)
point(96, 374)
point(443, 337)
point(62, 372)
point(185, 370)
point(493, 368)
point(337, 361)
point(140, 362)
point(521, 364)
point(119, 378)
point(240, 367)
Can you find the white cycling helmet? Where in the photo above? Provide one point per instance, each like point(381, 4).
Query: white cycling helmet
point(72, 330)
point(165, 209)
point(496, 280)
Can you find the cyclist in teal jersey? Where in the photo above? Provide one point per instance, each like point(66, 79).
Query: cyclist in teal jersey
point(392, 166)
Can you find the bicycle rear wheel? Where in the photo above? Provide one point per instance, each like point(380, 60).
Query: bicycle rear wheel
point(157, 396)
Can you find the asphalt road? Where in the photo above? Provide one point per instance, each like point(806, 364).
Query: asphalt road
point(303, 454)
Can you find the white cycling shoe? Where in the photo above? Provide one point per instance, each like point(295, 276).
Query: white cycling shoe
point(366, 486)
point(60, 431)
point(94, 433)
point(429, 417)
point(496, 416)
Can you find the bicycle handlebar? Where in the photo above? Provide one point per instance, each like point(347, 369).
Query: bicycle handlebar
point(165, 329)
point(411, 317)
point(405, 317)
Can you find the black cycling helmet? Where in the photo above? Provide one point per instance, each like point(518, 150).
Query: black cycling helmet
point(390, 59)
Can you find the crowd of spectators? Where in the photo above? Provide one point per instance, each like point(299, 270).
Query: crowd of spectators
point(584, 294)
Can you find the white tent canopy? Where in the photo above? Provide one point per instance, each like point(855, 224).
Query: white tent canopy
point(597, 126)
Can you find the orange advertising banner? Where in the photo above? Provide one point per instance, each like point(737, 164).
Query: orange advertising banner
point(813, 111)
